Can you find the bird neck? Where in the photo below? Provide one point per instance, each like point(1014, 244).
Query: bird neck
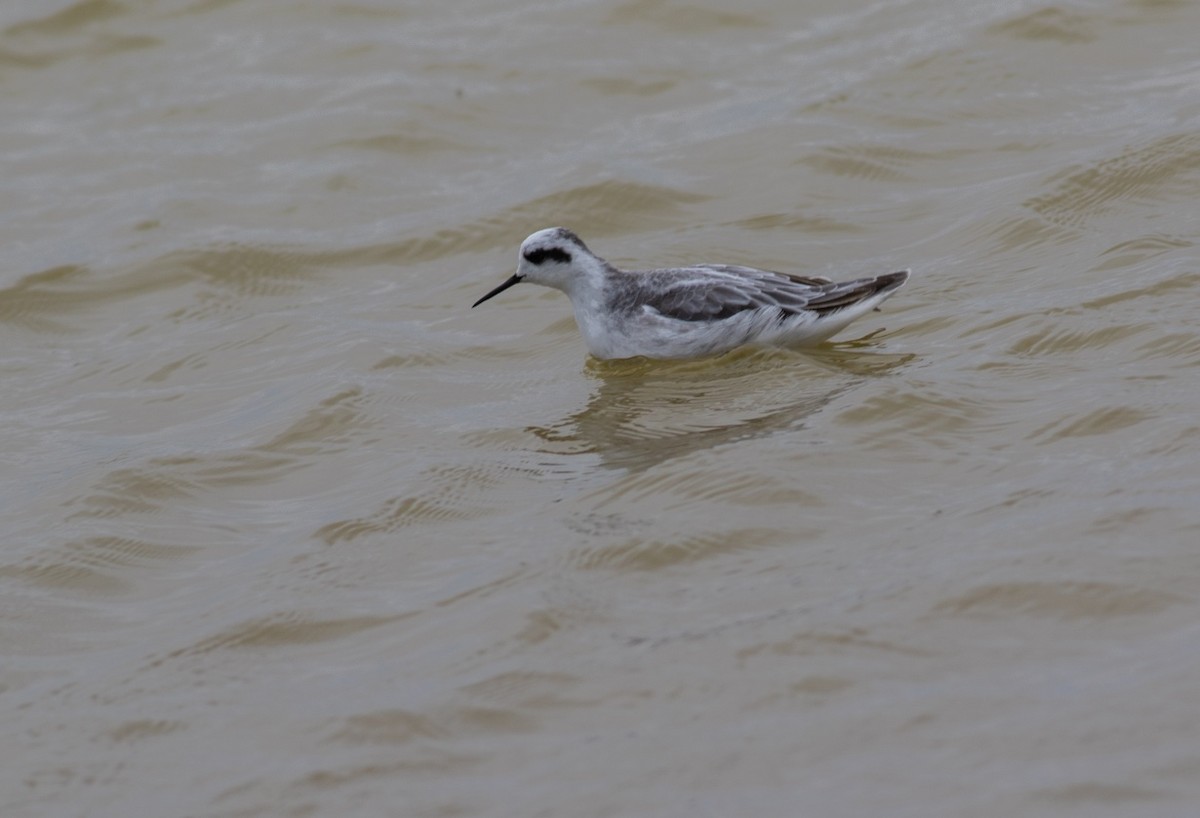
point(588, 281)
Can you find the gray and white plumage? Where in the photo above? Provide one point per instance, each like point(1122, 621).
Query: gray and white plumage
point(694, 311)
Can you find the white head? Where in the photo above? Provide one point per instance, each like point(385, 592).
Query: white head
point(552, 257)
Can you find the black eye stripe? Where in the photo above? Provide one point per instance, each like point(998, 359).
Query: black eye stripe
point(553, 253)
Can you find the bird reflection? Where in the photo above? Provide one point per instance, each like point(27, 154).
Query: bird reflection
point(645, 412)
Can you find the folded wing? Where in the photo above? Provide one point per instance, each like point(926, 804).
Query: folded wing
point(716, 292)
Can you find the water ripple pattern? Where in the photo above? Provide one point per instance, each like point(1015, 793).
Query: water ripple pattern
point(290, 530)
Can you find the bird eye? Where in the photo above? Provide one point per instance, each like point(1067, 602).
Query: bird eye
point(553, 253)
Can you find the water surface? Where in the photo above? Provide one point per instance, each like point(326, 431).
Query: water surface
point(290, 530)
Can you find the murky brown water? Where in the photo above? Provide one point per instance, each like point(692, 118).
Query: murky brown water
point(289, 530)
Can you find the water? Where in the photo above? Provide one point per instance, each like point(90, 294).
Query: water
point(289, 530)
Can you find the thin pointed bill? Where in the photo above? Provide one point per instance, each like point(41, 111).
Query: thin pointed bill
point(516, 279)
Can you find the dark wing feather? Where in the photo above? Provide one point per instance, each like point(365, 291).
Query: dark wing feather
point(846, 294)
point(700, 302)
point(696, 294)
point(687, 294)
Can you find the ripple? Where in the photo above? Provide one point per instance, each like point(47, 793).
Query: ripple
point(231, 469)
point(442, 356)
point(133, 491)
point(607, 207)
point(523, 688)
point(1162, 170)
point(1090, 795)
point(1059, 600)
point(78, 26)
point(1137, 251)
point(287, 629)
point(1123, 522)
point(792, 221)
point(638, 554)
point(874, 163)
point(16, 59)
point(1184, 441)
point(1097, 422)
point(330, 425)
point(450, 493)
point(1151, 290)
point(39, 301)
point(431, 760)
point(622, 86)
point(1179, 348)
point(195, 360)
point(397, 513)
point(95, 565)
point(1018, 233)
point(1058, 340)
point(403, 144)
point(389, 727)
point(740, 486)
point(69, 20)
point(244, 271)
point(1052, 23)
point(50, 300)
point(502, 704)
point(680, 18)
point(941, 419)
point(826, 642)
point(141, 729)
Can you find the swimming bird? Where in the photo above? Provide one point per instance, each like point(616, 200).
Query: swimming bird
point(690, 312)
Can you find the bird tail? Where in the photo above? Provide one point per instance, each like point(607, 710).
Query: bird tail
point(862, 291)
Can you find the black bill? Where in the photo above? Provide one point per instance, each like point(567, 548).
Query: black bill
point(516, 279)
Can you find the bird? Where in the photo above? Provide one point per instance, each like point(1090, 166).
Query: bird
point(690, 312)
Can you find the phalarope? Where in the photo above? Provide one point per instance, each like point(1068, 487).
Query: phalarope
point(690, 312)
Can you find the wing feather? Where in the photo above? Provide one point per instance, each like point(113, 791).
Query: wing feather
point(713, 292)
